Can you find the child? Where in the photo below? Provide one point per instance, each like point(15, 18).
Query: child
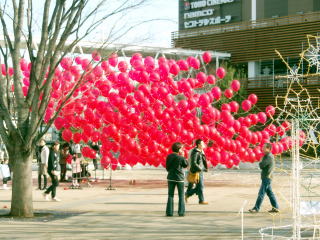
point(76, 170)
point(5, 171)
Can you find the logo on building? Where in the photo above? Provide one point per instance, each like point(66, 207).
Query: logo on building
point(187, 5)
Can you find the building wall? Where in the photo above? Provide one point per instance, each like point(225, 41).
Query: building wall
point(246, 10)
point(275, 8)
point(298, 6)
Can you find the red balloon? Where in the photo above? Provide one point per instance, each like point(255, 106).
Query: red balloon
point(262, 117)
point(228, 93)
point(270, 111)
point(253, 98)
point(113, 59)
point(67, 135)
point(216, 91)
point(246, 105)
point(96, 56)
point(235, 85)
point(204, 100)
point(234, 106)
point(174, 69)
point(226, 106)
point(221, 72)
point(211, 79)
point(201, 77)
point(206, 56)
point(183, 65)
point(122, 66)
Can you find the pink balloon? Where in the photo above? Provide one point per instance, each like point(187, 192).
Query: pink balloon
point(270, 111)
point(216, 91)
point(234, 106)
point(235, 85)
point(201, 77)
point(206, 56)
point(174, 69)
point(228, 93)
point(211, 79)
point(113, 59)
point(262, 117)
point(122, 66)
point(221, 72)
point(253, 98)
point(183, 65)
point(225, 106)
point(96, 56)
point(246, 105)
point(66, 135)
point(204, 100)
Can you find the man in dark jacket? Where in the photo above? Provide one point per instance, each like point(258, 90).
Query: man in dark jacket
point(198, 164)
point(53, 164)
point(174, 165)
point(267, 167)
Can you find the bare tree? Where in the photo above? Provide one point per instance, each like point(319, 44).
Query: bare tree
point(63, 25)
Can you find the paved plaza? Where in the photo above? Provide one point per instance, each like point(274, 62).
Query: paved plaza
point(136, 209)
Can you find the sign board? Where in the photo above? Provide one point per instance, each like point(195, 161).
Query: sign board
point(202, 13)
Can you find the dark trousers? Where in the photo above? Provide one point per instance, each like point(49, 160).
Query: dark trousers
point(53, 187)
point(266, 189)
point(171, 187)
point(198, 189)
point(63, 168)
point(95, 164)
point(44, 181)
point(6, 179)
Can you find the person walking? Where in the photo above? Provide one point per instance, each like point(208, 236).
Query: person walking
point(267, 166)
point(64, 154)
point(6, 174)
point(175, 163)
point(53, 164)
point(76, 171)
point(198, 164)
point(43, 164)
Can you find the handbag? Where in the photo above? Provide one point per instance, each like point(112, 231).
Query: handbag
point(193, 177)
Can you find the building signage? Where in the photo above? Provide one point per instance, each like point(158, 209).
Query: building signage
point(204, 13)
point(208, 3)
point(207, 22)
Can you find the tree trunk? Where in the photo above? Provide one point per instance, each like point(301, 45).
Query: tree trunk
point(21, 201)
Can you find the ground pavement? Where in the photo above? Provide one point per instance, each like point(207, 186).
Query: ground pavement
point(136, 209)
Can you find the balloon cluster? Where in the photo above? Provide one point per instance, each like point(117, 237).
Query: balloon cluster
point(140, 107)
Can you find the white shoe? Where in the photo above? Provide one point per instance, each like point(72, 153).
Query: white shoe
point(46, 196)
point(55, 199)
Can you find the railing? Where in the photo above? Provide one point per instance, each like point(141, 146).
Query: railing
point(278, 81)
point(270, 22)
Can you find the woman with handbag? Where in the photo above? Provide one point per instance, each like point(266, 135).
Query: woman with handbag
point(174, 164)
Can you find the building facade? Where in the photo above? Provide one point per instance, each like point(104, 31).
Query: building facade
point(251, 31)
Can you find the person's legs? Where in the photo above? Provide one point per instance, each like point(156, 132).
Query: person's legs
point(44, 181)
point(200, 187)
point(95, 164)
point(261, 194)
point(39, 181)
point(63, 172)
point(271, 195)
point(181, 209)
point(171, 187)
point(49, 189)
point(55, 183)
